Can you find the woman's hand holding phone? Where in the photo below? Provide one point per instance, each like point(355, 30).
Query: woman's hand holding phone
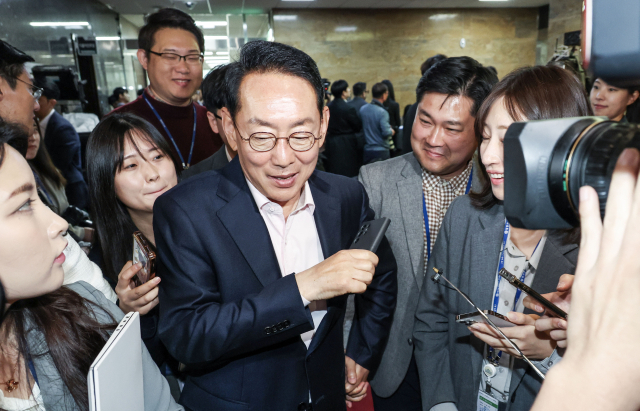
point(556, 327)
point(534, 344)
point(141, 299)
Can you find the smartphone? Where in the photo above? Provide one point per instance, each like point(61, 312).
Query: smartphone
point(370, 235)
point(474, 317)
point(144, 254)
point(551, 308)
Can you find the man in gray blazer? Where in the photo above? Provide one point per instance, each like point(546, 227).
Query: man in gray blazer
point(421, 184)
point(213, 95)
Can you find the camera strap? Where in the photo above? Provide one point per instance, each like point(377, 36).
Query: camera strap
point(426, 215)
point(193, 138)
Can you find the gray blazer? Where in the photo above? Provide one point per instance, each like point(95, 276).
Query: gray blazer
point(395, 191)
point(448, 356)
point(214, 162)
point(56, 396)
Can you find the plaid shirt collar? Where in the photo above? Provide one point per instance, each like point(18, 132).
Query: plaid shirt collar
point(457, 184)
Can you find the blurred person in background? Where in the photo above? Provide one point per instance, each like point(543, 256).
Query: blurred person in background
point(342, 135)
point(359, 99)
point(375, 123)
point(611, 101)
point(51, 183)
point(63, 144)
point(394, 117)
point(119, 97)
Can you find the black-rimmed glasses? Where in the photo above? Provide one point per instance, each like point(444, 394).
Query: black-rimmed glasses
point(35, 91)
point(298, 141)
point(173, 58)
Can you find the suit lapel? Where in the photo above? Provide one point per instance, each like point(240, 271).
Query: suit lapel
point(246, 226)
point(484, 257)
point(328, 220)
point(327, 216)
point(410, 198)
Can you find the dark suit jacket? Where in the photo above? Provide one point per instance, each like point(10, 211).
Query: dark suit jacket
point(214, 162)
point(357, 103)
point(342, 148)
point(226, 310)
point(63, 145)
point(448, 356)
point(407, 127)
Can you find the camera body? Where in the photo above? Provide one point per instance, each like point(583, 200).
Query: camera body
point(547, 161)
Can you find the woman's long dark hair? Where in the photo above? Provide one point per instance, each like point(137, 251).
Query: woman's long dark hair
point(531, 93)
point(72, 334)
point(43, 165)
point(105, 155)
point(392, 93)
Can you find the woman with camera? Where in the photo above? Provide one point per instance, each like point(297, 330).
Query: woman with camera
point(475, 242)
point(128, 166)
point(611, 101)
point(50, 334)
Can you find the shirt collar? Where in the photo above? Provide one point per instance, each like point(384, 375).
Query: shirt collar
point(535, 258)
point(458, 183)
point(45, 121)
point(305, 200)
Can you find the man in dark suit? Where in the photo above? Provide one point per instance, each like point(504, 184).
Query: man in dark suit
point(342, 141)
point(359, 96)
point(63, 144)
point(253, 258)
point(213, 95)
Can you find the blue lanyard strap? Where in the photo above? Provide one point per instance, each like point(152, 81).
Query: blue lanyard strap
point(426, 215)
point(496, 297)
point(193, 138)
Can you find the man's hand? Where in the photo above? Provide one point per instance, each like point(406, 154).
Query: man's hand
point(346, 272)
point(141, 299)
point(533, 343)
point(89, 235)
point(556, 327)
point(355, 381)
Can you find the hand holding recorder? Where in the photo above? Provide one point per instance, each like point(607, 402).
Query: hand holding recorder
point(557, 327)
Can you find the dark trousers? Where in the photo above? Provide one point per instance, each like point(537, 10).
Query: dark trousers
point(406, 398)
point(371, 156)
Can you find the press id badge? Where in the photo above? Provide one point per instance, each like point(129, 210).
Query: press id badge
point(486, 402)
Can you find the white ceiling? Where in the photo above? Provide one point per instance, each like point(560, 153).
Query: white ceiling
point(253, 6)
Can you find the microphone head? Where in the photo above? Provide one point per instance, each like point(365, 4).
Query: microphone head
point(436, 277)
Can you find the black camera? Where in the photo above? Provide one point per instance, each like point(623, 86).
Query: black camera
point(547, 161)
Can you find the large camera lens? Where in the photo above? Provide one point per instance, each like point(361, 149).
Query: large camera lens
point(546, 163)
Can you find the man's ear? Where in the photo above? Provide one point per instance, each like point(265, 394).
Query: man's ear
point(212, 122)
point(143, 58)
point(324, 125)
point(53, 102)
point(3, 88)
point(229, 129)
point(633, 97)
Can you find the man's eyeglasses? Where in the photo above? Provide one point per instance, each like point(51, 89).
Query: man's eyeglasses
point(299, 141)
point(35, 91)
point(173, 58)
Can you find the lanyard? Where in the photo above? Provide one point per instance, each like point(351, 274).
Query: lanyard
point(496, 297)
point(193, 138)
point(426, 215)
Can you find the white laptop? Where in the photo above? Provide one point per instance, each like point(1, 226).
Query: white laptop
point(115, 377)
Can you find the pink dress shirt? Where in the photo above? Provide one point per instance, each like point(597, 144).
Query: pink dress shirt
point(295, 241)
